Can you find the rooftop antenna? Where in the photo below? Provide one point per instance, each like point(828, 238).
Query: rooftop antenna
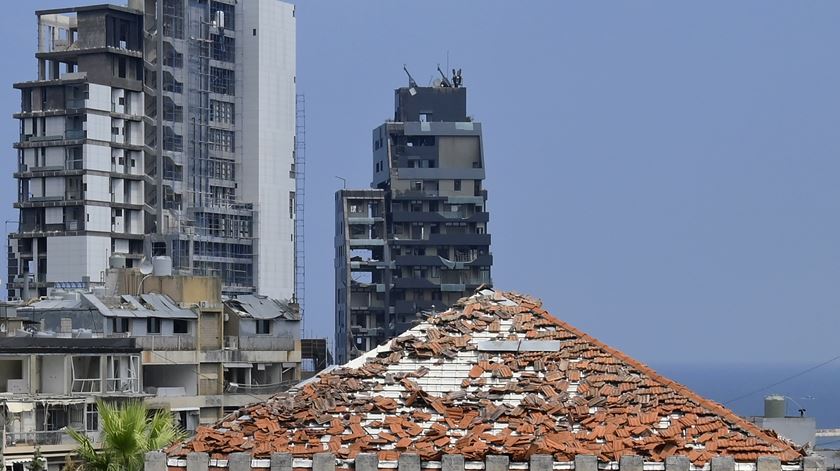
point(456, 78)
point(445, 80)
point(412, 85)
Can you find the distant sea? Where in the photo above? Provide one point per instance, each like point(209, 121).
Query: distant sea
point(817, 391)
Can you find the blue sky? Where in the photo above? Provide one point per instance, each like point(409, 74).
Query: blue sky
point(664, 175)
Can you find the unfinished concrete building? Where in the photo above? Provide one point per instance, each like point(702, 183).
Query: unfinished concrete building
point(418, 241)
point(138, 138)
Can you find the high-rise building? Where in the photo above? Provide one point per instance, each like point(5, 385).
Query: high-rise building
point(166, 127)
point(418, 241)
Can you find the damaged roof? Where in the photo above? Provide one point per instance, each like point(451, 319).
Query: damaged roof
point(495, 374)
point(146, 305)
point(262, 307)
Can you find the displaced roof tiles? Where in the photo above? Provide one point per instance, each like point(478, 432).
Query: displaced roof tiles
point(456, 384)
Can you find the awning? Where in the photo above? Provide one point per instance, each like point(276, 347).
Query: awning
point(18, 407)
point(237, 364)
point(184, 409)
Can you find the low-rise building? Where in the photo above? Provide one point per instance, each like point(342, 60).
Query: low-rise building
point(195, 353)
point(50, 384)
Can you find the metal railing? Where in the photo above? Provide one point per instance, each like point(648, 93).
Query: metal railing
point(52, 437)
point(166, 343)
point(259, 342)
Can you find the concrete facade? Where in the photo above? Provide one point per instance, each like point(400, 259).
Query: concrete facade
point(80, 168)
point(162, 128)
point(418, 241)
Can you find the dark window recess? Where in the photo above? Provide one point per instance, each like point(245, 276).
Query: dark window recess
point(119, 325)
point(153, 325)
point(457, 185)
point(180, 326)
point(263, 326)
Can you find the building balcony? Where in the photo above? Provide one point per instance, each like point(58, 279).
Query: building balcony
point(259, 342)
point(166, 343)
point(52, 437)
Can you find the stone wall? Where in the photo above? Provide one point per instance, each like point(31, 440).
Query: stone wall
point(411, 462)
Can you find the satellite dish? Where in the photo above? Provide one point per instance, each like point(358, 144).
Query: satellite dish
point(146, 266)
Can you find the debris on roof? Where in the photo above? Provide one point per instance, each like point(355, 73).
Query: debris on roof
point(262, 307)
point(495, 374)
point(147, 305)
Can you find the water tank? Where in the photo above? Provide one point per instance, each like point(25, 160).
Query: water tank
point(162, 266)
point(117, 261)
point(774, 407)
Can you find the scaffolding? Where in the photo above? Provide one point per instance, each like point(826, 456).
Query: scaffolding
point(300, 196)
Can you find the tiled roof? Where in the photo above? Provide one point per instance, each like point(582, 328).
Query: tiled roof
point(495, 374)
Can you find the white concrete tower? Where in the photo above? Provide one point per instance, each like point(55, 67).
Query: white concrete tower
point(267, 177)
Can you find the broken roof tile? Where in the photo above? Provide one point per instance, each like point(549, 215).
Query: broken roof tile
point(428, 393)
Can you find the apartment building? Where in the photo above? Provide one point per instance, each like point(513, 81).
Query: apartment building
point(418, 240)
point(50, 384)
point(177, 345)
point(164, 127)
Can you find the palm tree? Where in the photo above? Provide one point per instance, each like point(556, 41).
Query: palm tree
point(128, 432)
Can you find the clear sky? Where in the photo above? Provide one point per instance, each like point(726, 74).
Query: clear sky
point(664, 175)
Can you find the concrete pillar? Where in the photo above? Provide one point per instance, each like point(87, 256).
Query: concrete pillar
point(677, 463)
point(631, 463)
point(723, 463)
point(586, 463)
point(281, 462)
point(542, 463)
point(367, 462)
point(813, 463)
point(768, 463)
point(409, 462)
point(323, 462)
point(198, 461)
point(155, 461)
point(239, 462)
point(452, 463)
point(496, 463)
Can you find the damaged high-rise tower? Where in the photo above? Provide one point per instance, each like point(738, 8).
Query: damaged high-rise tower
point(418, 240)
point(164, 127)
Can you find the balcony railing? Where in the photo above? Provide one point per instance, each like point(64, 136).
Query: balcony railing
point(166, 343)
point(260, 342)
point(52, 437)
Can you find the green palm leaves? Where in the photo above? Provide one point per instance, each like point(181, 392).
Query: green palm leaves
point(128, 433)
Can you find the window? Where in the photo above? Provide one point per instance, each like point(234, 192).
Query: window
point(255, 31)
point(153, 325)
point(180, 326)
point(119, 325)
point(263, 326)
point(457, 185)
point(92, 417)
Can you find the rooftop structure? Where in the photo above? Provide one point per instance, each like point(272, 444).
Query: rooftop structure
point(419, 240)
point(495, 382)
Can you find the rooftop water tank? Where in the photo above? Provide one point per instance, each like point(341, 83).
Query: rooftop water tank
point(774, 407)
point(117, 261)
point(162, 266)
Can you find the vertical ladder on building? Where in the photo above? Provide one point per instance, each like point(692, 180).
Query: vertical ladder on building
point(300, 196)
